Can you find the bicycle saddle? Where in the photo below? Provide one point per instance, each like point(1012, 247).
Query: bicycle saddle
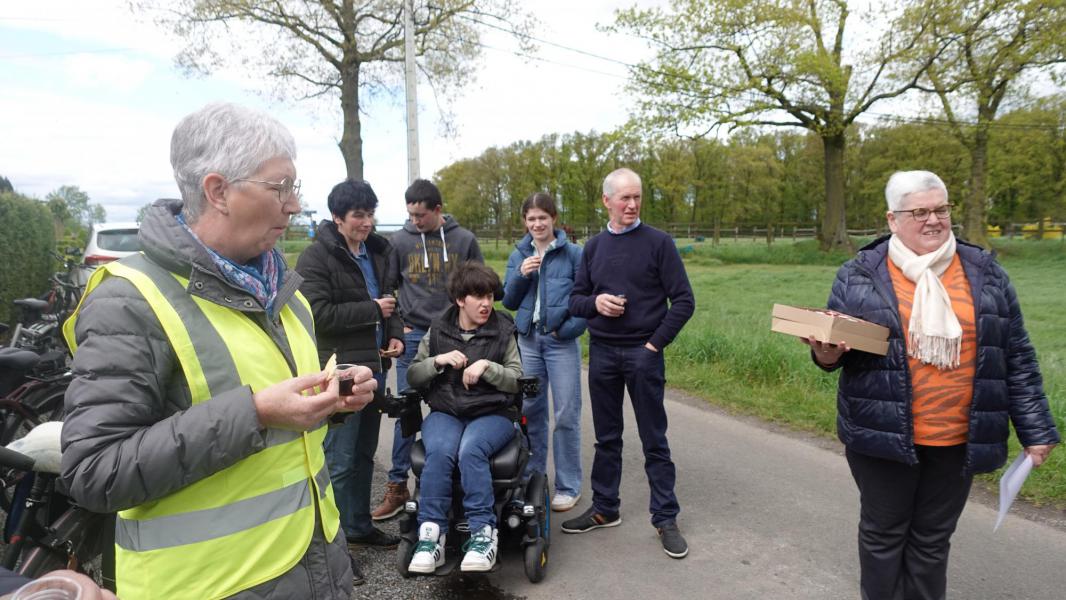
point(17, 359)
point(32, 303)
point(42, 445)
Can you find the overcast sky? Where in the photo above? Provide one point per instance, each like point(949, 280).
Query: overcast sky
point(90, 97)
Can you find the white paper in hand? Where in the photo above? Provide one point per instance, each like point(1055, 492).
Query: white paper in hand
point(1011, 483)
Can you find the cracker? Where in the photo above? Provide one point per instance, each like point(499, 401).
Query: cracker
point(331, 367)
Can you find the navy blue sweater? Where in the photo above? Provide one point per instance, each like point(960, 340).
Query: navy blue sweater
point(644, 265)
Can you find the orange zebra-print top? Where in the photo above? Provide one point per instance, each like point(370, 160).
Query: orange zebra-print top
point(940, 402)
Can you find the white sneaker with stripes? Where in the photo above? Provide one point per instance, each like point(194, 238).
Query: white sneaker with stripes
point(480, 551)
point(429, 553)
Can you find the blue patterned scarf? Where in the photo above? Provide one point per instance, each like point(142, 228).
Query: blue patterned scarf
point(260, 277)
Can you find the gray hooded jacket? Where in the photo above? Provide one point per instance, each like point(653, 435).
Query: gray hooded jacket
point(422, 263)
point(131, 434)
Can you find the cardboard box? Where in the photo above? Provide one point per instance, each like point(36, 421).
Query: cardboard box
point(833, 328)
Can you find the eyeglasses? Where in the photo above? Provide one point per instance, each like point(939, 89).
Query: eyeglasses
point(922, 214)
point(287, 189)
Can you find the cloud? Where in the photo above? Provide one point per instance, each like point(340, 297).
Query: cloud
point(117, 73)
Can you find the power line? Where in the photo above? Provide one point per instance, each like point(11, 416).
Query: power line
point(751, 96)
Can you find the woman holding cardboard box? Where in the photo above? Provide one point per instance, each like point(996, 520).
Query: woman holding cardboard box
point(919, 422)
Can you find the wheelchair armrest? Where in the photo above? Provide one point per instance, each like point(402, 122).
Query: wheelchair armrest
point(407, 407)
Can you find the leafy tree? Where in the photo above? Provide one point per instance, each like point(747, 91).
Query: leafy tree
point(72, 207)
point(333, 48)
point(142, 211)
point(891, 147)
point(985, 48)
point(5, 185)
point(779, 63)
point(1027, 164)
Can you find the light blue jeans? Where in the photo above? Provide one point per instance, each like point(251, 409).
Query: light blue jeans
point(401, 446)
point(470, 443)
point(350, 451)
point(558, 365)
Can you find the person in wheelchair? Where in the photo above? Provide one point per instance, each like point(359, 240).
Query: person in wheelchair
point(468, 366)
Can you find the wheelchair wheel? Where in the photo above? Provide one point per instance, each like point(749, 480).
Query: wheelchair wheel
point(536, 560)
point(404, 552)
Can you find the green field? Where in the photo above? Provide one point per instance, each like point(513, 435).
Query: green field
point(728, 356)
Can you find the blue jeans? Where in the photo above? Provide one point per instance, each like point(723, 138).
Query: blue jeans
point(401, 446)
point(557, 363)
point(470, 443)
point(612, 370)
point(350, 451)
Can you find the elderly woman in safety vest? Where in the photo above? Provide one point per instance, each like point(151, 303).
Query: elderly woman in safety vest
point(198, 406)
point(919, 422)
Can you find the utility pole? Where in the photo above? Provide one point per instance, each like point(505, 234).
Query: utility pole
point(411, 80)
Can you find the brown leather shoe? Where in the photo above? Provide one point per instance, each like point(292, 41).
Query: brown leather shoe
point(396, 495)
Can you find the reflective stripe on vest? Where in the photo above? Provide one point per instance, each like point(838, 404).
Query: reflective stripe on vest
point(252, 521)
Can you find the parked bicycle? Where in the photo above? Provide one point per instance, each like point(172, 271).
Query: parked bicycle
point(48, 531)
point(41, 319)
point(32, 387)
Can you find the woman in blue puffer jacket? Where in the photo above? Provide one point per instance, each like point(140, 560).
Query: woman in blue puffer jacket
point(539, 278)
point(918, 422)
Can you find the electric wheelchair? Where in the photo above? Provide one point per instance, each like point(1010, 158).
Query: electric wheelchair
point(521, 506)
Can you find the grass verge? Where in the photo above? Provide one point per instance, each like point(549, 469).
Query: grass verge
point(727, 354)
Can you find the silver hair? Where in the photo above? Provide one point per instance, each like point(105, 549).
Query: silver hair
point(609, 181)
point(903, 183)
point(224, 138)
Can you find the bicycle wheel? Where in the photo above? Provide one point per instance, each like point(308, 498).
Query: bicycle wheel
point(42, 404)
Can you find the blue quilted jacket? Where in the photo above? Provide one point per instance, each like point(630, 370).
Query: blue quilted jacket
point(555, 280)
point(874, 394)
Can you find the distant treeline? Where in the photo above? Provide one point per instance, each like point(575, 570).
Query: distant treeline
point(762, 178)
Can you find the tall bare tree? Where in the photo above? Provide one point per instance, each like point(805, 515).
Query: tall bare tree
point(787, 63)
point(990, 48)
point(343, 49)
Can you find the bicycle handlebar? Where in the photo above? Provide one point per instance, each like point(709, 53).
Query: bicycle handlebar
point(15, 460)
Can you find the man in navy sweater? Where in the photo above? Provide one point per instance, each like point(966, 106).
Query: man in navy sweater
point(633, 289)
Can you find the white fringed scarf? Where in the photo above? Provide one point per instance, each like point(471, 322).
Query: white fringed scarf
point(934, 334)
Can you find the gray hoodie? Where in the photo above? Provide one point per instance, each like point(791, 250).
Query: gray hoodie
point(423, 261)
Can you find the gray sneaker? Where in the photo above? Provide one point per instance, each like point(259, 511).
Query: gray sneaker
point(674, 544)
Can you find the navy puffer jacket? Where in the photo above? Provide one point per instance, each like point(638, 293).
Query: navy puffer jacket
point(555, 281)
point(874, 394)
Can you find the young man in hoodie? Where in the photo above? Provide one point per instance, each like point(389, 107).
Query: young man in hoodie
point(429, 247)
point(348, 283)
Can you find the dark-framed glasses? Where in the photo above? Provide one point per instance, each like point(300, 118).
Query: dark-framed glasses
point(922, 214)
point(287, 188)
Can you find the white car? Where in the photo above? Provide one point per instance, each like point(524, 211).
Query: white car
point(108, 242)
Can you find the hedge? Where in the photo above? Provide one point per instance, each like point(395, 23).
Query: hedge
point(27, 240)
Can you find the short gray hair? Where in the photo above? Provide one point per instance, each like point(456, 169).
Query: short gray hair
point(224, 138)
point(903, 183)
point(613, 176)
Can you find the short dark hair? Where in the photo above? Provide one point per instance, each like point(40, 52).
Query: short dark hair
point(542, 201)
point(349, 195)
point(422, 191)
point(472, 279)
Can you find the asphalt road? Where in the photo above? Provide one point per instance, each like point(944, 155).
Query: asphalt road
point(767, 514)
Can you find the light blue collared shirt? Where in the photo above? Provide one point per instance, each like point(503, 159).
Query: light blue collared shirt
point(626, 230)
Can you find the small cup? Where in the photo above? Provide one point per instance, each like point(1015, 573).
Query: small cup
point(345, 379)
point(52, 587)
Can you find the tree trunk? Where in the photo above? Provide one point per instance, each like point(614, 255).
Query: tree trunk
point(973, 226)
point(833, 233)
point(351, 143)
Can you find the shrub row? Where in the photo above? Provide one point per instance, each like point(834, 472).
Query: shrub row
point(27, 239)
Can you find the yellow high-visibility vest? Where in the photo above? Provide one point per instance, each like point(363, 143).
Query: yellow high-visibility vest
point(252, 521)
